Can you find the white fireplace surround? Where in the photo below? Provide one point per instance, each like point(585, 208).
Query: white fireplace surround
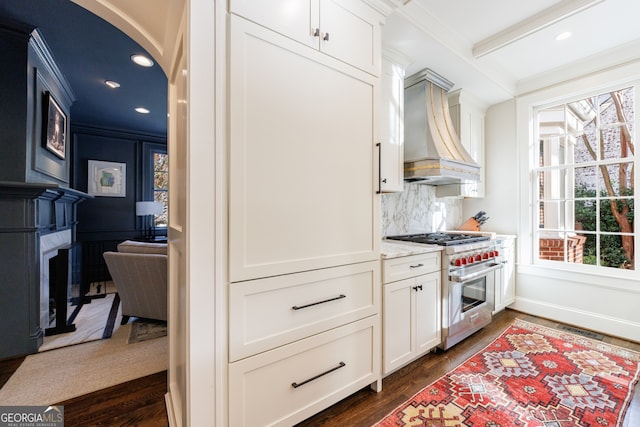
point(49, 246)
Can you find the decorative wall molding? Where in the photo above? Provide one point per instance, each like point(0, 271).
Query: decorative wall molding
point(41, 48)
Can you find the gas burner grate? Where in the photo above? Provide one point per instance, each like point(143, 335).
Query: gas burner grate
point(442, 239)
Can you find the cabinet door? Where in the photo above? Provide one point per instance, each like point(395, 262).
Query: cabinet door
point(350, 31)
point(498, 298)
point(427, 309)
point(302, 175)
point(392, 128)
point(508, 273)
point(505, 277)
point(297, 19)
point(398, 324)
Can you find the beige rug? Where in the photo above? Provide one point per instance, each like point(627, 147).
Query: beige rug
point(56, 375)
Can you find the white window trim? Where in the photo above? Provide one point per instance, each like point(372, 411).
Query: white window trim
point(616, 78)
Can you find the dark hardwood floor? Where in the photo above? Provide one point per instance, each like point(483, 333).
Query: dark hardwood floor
point(141, 402)
point(366, 407)
point(8, 367)
point(135, 403)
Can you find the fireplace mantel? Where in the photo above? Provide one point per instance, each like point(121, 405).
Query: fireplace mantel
point(29, 211)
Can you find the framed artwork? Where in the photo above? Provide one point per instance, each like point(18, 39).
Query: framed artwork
point(107, 179)
point(54, 126)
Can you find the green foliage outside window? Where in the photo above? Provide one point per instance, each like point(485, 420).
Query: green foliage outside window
point(161, 185)
point(612, 253)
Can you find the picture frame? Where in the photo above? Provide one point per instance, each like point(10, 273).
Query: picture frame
point(54, 126)
point(107, 179)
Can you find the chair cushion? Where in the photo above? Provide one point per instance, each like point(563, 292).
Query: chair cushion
point(131, 246)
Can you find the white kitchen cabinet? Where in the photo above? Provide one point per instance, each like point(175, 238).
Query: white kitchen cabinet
point(285, 385)
point(392, 126)
point(411, 309)
point(467, 115)
point(270, 312)
point(302, 128)
point(303, 219)
point(348, 30)
point(505, 283)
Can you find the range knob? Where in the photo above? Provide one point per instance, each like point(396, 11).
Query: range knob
point(478, 258)
point(457, 262)
point(485, 255)
point(470, 259)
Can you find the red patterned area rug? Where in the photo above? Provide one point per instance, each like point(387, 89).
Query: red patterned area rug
point(530, 376)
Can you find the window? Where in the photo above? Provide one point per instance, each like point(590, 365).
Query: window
point(155, 180)
point(161, 184)
point(584, 212)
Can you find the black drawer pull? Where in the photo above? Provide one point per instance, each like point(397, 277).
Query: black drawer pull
point(299, 307)
point(296, 385)
point(416, 266)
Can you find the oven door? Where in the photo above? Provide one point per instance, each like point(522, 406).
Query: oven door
point(471, 299)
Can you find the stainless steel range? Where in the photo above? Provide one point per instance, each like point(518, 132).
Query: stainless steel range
point(468, 265)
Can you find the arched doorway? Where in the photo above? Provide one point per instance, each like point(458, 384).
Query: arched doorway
point(187, 38)
point(172, 31)
point(32, 7)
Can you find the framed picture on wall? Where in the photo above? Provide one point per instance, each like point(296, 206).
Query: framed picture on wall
point(54, 126)
point(107, 179)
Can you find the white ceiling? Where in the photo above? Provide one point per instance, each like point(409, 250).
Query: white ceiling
point(497, 49)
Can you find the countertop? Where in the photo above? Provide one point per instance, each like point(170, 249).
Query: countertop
point(395, 249)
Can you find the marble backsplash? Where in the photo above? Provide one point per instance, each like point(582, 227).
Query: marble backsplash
point(418, 210)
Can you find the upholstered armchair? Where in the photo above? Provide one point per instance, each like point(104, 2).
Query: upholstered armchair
point(139, 272)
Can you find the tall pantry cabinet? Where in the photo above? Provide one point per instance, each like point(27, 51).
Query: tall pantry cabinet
point(304, 291)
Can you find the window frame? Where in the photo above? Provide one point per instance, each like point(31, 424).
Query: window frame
point(149, 149)
point(533, 104)
point(566, 171)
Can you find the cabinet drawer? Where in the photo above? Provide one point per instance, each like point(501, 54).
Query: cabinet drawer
point(410, 266)
point(325, 368)
point(271, 312)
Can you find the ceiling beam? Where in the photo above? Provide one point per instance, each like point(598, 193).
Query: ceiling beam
point(533, 24)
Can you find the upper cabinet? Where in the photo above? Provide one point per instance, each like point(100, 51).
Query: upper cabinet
point(348, 30)
point(467, 114)
point(392, 123)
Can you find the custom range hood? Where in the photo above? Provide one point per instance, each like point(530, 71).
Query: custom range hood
point(433, 153)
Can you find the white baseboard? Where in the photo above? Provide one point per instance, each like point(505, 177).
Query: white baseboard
point(171, 414)
point(583, 319)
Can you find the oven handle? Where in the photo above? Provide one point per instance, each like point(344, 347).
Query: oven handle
point(476, 274)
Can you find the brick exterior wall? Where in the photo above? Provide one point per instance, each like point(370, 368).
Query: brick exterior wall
point(553, 249)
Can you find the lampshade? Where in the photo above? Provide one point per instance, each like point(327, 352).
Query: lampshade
point(149, 208)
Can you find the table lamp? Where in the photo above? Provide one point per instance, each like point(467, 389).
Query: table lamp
point(147, 210)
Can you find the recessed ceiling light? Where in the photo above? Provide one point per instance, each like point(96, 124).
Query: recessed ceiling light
point(142, 60)
point(563, 36)
point(112, 84)
point(142, 110)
